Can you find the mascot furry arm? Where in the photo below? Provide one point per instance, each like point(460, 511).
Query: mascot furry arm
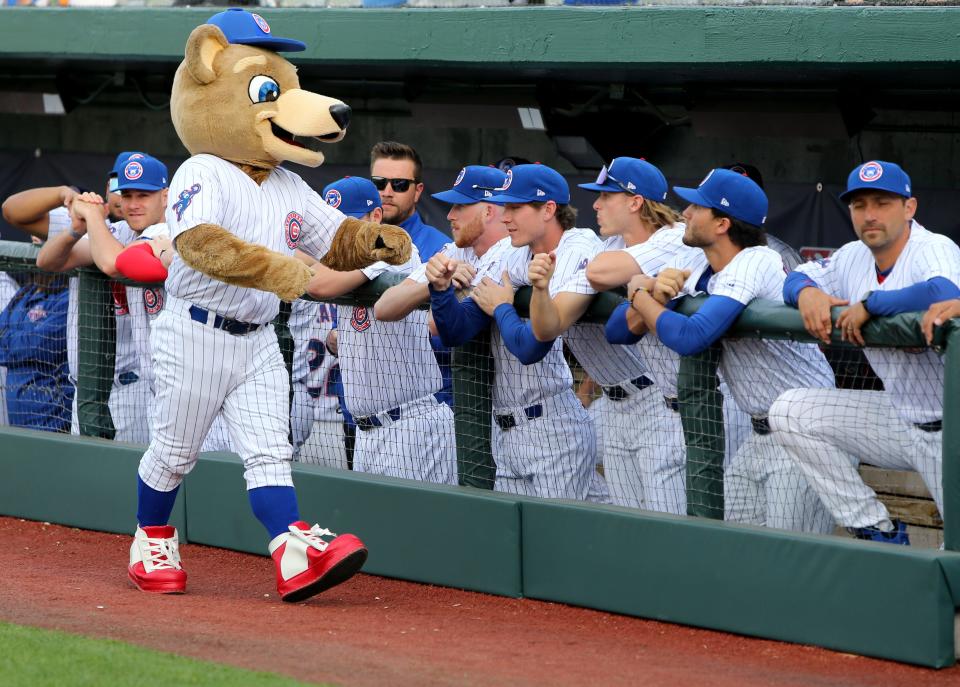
point(212, 114)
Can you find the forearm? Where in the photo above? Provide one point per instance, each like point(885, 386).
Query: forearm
point(544, 316)
point(55, 253)
point(694, 334)
point(618, 329)
point(29, 207)
point(328, 283)
point(916, 297)
point(456, 321)
point(611, 269)
point(400, 300)
point(104, 248)
point(643, 313)
point(518, 337)
point(793, 285)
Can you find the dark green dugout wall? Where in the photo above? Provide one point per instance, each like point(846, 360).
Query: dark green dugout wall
point(884, 601)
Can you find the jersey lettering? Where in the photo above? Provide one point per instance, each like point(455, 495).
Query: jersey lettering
point(315, 353)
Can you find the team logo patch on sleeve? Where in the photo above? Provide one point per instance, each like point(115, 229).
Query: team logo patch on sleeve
point(361, 319)
point(871, 171)
point(133, 170)
point(153, 300)
point(333, 198)
point(293, 227)
point(184, 200)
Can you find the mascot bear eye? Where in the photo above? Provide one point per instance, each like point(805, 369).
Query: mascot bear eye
point(263, 89)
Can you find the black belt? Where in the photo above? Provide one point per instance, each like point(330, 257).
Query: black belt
point(934, 426)
point(618, 393)
point(672, 403)
point(509, 421)
point(365, 424)
point(761, 425)
point(235, 327)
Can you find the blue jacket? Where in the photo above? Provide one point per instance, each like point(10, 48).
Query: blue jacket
point(33, 348)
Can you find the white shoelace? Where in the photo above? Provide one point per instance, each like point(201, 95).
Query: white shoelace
point(161, 554)
point(313, 537)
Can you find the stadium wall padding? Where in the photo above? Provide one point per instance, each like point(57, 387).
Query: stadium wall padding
point(885, 601)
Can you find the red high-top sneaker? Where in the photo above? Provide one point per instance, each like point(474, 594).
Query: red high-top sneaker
point(155, 561)
point(307, 564)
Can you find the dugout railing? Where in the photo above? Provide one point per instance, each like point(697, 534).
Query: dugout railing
point(829, 591)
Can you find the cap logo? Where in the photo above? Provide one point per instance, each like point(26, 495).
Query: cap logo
point(507, 181)
point(463, 173)
point(707, 178)
point(262, 23)
point(133, 171)
point(333, 198)
point(369, 202)
point(871, 171)
point(488, 194)
point(724, 202)
point(136, 156)
point(541, 192)
point(906, 187)
point(631, 186)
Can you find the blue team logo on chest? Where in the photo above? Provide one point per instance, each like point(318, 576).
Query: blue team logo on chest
point(292, 228)
point(361, 319)
point(153, 300)
point(184, 200)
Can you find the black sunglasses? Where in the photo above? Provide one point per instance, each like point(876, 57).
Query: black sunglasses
point(398, 185)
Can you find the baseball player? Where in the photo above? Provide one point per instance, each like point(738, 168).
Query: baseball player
point(545, 443)
point(895, 266)
point(390, 375)
point(725, 219)
point(316, 409)
point(477, 228)
point(129, 401)
point(641, 436)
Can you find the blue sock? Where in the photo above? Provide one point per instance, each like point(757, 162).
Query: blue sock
point(154, 507)
point(275, 508)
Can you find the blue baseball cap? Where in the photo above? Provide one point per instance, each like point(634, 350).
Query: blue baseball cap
point(878, 175)
point(353, 196)
point(474, 184)
point(534, 183)
point(118, 165)
point(246, 28)
point(631, 175)
point(731, 193)
point(143, 173)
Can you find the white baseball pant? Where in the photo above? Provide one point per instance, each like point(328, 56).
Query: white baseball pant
point(552, 456)
point(420, 445)
point(200, 370)
point(762, 486)
point(829, 432)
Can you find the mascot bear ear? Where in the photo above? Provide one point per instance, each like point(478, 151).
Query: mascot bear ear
point(204, 44)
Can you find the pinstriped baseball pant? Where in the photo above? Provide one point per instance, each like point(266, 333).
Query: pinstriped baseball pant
point(201, 370)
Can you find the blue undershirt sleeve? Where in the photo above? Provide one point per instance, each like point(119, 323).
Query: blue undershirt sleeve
point(793, 285)
point(518, 336)
point(691, 335)
point(916, 297)
point(457, 321)
point(617, 330)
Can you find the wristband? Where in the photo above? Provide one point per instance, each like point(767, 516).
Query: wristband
point(75, 235)
point(634, 296)
point(863, 301)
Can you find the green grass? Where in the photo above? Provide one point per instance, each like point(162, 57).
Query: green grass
point(39, 658)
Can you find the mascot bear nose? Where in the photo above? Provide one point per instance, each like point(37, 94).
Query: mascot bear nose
point(340, 114)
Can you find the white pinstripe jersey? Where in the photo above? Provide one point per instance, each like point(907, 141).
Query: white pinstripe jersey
point(385, 364)
point(517, 385)
point(661, 364)
point(143, 304)
point(282, 214)
point(309, 325)
point(758, 370)
point(127, 359)
point(914, 380)
point(451, 250)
